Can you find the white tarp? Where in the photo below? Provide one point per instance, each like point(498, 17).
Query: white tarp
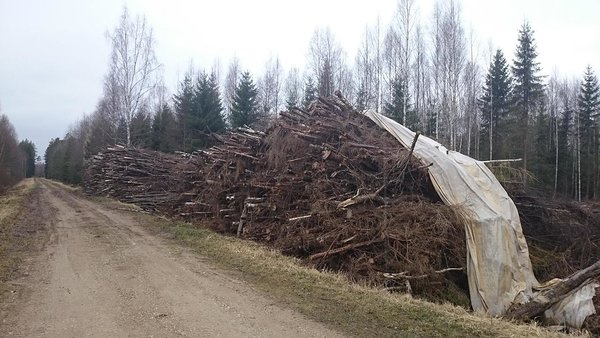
point(498, 265)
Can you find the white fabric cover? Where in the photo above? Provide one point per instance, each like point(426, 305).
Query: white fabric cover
point(498, 265)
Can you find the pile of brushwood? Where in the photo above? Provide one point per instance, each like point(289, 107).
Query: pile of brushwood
point(326, 185)
point(329, 186)
point(563, 236)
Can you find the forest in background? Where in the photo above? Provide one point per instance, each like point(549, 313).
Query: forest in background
point(425, 75)
point(17, 159)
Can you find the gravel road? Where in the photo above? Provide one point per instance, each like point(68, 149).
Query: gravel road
point(101, 275)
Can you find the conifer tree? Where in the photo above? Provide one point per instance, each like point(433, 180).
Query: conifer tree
point(163, 130)
point(362, 97)
point(494, 105)
point(588, 102)
point(394, 109)
point(527, 93)
point(292, 100)
point(206, 116)
point(141, 129)
point(184, 104)
point(244, 108)
point(326, 80)
point(566, 148)
point(310, 93)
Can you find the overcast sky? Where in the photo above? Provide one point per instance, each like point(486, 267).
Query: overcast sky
point(54, 53)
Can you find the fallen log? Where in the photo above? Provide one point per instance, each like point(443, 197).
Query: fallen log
point(544, 299)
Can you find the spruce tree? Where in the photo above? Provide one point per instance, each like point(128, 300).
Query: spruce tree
point(543, 157)
point(206, 116)
point(588, 102)
point(494, 105)
point(361, 97)
point(244, 108)
point(394, 109)
point(565, 147)
point(141, 130)
point(163, 137)
point(184, 104)
point(527, 93)
point(310, 93)
point(431, 122)
point(326, 79)
point(292, 100)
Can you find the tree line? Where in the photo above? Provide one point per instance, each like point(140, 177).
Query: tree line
point(17, 159)
point(428, 76)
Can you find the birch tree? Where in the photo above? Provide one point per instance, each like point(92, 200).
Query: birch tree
point(406, 22)
point(552, 98)
point(454, 61)
point(132, 65)
point(436, 74)
point(270, 87)
point(448, 63)
point(420, 78)
point(325, 60)
point(366, 95)
point(231, 81)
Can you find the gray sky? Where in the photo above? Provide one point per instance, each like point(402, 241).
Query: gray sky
point(53, 53)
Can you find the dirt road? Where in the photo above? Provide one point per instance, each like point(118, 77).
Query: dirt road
point(102, 275)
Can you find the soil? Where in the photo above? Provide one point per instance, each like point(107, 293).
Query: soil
point(98, 273)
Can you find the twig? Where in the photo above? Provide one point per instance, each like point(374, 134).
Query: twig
point(502, 161)
point(345, 248)
point(299, 218)
point(404, 274)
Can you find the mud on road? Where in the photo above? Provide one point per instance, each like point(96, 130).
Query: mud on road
point(100, 274)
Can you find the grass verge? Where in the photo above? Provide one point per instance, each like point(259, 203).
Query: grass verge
point(329, 297)
point(12, 205)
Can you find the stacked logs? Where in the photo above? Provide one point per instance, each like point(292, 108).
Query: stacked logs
point(137, 176)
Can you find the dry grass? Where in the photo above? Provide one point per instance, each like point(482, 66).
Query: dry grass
point(329, 297)
point(12, 204)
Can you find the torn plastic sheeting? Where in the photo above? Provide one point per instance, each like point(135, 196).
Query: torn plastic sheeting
point(498, 265)
point(573, 309)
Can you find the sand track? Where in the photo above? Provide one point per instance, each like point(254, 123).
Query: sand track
point(101, 275)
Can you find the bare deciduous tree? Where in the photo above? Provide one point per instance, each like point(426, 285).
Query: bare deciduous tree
point(405, 27)
point(132, 67)
point(270, 87)
point(553, 102)
point(391, 62)
point(367, 91)
point(448, 59)
point(472, 86)
point(326, 61)
point(231, 81)
point(420, 78)
point(12, 158)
